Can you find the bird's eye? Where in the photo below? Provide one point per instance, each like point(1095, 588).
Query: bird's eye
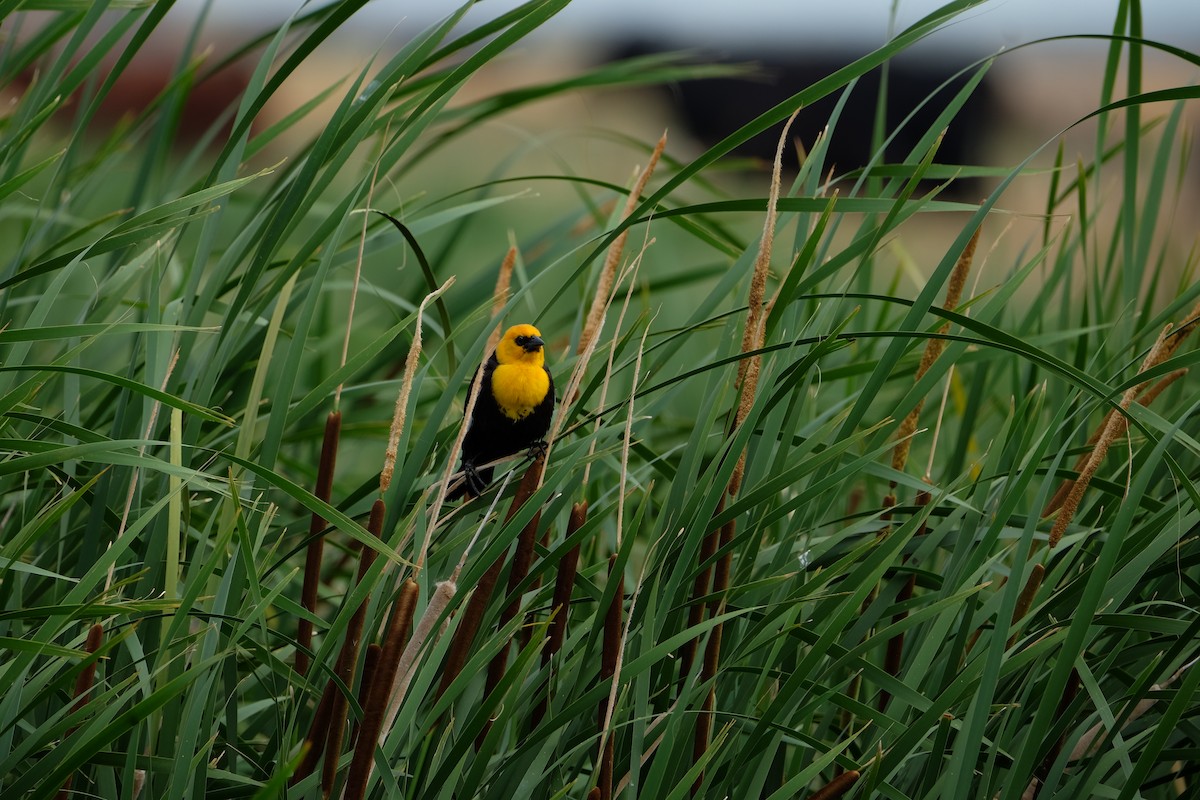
point(521, 340)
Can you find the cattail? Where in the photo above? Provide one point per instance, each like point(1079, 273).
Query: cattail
point(379, 688)
point(472, 617)
point(1025, 598)
point(1145, 398)
point(348, 659)
point(933, 349)
point(564, 583)
point(500, 295)
point(316, 539)
point(608, 272)
point(1115, 428)
point(406, 384)
point(83, 688)
point(836, 787)
point(370, 664)
point(443, 593)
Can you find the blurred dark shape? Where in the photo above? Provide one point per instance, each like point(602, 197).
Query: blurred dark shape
point(713, 108)
point(205, 98)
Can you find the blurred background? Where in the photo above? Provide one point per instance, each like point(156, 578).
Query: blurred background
point(771, 49)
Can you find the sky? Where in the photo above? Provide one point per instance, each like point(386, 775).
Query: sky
point(775, 24)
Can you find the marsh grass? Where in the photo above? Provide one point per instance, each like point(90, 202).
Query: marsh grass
point(710, 595)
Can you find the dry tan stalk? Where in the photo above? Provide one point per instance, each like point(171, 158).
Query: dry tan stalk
point(1115, 428)
point(500, 295)
point(1145, 398)
point(380, 687)
point(83, 688)
point(1025, 598)
point(1182, 331)
point(756, 315)
point(836, 787)
point(933, 349)
point(627, 275)
point(608, 272)
point(316, 539)
point(406, 383)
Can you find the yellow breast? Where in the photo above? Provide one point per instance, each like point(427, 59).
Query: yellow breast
point(519, 389)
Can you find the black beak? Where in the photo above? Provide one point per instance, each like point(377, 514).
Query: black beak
point(533, 344)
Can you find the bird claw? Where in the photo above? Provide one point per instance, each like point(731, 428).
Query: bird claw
point(475, 484)
point(537, 450)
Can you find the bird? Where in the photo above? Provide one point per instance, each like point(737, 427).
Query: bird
point(513, 410)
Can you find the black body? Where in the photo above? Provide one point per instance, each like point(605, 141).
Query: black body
point(492, 435)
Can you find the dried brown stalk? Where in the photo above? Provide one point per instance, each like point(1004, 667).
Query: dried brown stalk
point(1025, 598)
point(83, 688)
point(406, 383)
point(500, 295)
point(1145, 399)
point(747, 383)
point(836, 787)
point(756, 315)
point(348, 659)
point(608, 272)
point(933, 349)
point(379, 688)
point(1112, 431)
point(316, 539)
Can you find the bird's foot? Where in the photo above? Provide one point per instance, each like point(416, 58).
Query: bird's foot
point(473, 482)
point(537, 450)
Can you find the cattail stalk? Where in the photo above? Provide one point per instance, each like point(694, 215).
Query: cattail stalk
point(1025, 598)
point(564, 583)
point(370, 665)
point(477, 605)
point(379, 688)
point(608, 272)
point(747, 381)
point(348, 659)
point(406, 384)
point(83, 689)
point(316, 539)
point(700, 584)
point(1112, 431)
point(837, 787)
point(609, 659)
point(1145, 399)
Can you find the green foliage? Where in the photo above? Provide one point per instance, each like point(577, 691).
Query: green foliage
point(172, 335)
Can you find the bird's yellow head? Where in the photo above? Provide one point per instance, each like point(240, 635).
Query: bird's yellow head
point(521, 344)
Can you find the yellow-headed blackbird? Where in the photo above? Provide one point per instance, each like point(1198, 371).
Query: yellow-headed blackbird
point(516, 402)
